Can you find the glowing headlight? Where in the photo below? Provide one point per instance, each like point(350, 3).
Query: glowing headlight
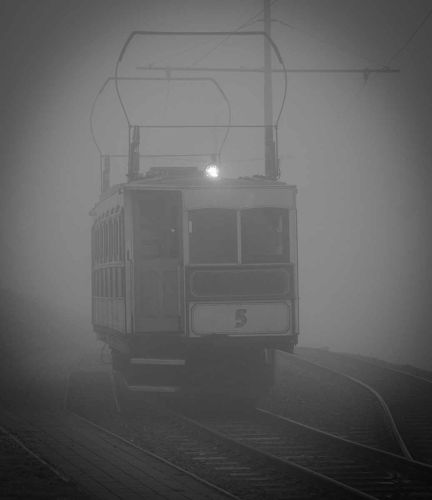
point(212, 171)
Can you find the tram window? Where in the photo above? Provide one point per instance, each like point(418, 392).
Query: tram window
point(116, 239)
point(102, 241)
point(122, 282)
point(99, 244)
point(110, 241)
point(93, 244)
point(104, 280)
point(118, 286)
point(105, 242)
point(96, 236)
point(117, 282)
point(213, 236)
point(264, 235)
point(121, 236)
point(98, 283)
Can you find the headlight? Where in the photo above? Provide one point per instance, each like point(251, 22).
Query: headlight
point(212, 171)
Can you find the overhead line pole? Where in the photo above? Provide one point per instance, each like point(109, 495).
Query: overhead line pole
point(271, 169)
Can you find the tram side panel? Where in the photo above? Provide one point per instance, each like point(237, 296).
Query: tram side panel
point(108, 267)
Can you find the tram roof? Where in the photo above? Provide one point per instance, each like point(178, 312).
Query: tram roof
point(179, 181)
point(202, 182)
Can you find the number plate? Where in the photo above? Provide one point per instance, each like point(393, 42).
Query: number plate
point(240, 318)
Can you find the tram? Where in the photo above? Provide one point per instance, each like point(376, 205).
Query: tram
point(194, 276)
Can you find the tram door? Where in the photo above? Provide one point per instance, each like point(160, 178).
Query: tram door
point(157, 219)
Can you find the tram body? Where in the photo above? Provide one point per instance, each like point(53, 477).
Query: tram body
point(194, 280)
point(194, 276)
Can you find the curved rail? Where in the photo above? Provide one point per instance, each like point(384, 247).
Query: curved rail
point(391, 369)
point(390, 420)
point(408, 397)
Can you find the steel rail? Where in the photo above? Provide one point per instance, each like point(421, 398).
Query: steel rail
point(18, 441)
point(424, 470)
point(386, 410)
point(284, 464)
point(366, 469)
point(155, 456)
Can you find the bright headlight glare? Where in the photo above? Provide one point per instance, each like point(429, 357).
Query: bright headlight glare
point(212, 171)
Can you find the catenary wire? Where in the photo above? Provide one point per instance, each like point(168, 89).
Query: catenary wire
point(410, 39)
point(244, 25)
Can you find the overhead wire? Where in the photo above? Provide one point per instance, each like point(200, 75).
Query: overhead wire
point(401, 49)
point(319, 39)
point(244, 25)
point(411, 38)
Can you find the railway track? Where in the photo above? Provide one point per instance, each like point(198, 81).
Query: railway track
point(372, 473)
point(100, 463)
point(246, 473)
point(260, 455)
point(324, 399)
point(408, 397)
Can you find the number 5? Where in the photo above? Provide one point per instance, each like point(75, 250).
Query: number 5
point(240, 318)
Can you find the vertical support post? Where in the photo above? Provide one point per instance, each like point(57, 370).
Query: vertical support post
point(270, 156)
point(106, 173)
point(134, 154)
point(101, 172)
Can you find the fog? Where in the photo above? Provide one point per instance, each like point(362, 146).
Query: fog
point(359, 150)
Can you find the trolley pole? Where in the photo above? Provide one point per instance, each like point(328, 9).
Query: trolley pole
point(270, 153)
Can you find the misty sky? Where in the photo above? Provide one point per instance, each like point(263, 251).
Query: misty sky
point(359, 151)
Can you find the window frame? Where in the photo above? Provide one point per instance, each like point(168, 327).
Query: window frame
point(239, 241)
point(235, 242)
point(285, 233)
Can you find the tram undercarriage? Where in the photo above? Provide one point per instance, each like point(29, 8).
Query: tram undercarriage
point(210, 367)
